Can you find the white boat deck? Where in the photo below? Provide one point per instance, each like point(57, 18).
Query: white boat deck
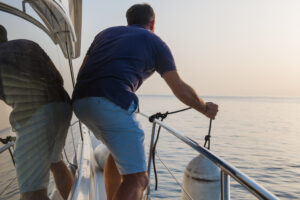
point(89, 179)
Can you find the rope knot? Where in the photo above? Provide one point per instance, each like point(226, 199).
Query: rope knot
point(157, 116)
point(7, 139)
point(207, 137)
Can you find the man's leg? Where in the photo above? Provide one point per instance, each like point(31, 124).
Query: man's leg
point(120, 132)
point(112, 177)
point(62, 177)
point(32, 158)
point(35, 195)
point(123, 187)
point(132, 187)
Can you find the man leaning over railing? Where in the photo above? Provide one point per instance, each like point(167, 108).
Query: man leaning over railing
point(116, 64)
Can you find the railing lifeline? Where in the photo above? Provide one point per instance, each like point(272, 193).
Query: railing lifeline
point(226, 169)
point(6, 146)
point(147, 195)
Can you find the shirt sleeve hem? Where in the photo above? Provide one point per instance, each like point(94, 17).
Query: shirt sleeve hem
point(167, 70)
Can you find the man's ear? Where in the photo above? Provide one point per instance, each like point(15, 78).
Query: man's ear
point(151, 25)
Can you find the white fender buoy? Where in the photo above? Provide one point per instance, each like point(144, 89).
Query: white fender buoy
point(101, 153)
point(201, 180)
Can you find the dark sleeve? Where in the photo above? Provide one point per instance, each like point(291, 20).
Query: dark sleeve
point(164, 60)
point(54, 72)
point(41, 66)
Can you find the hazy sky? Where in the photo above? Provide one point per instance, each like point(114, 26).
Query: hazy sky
point(221, 47)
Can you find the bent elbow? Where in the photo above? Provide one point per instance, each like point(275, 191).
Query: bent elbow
point(181, 95)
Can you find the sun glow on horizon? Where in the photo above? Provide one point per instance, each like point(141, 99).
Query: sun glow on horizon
point(232, 48)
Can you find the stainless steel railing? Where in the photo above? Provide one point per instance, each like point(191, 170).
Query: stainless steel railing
point(6, 146)
point(227, 170)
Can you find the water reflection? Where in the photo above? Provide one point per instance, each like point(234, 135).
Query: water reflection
point(41, 113)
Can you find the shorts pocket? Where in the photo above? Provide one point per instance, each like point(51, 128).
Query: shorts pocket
point(132, 108)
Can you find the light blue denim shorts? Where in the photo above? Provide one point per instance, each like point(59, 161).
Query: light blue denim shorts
point(117, 128)
point(40, 142)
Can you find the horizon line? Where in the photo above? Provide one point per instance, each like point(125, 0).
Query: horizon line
point(233, 96)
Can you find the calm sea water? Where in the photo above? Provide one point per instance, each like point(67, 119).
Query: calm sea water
point(258, 135)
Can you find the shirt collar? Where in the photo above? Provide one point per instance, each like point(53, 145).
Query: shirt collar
point(137, 25)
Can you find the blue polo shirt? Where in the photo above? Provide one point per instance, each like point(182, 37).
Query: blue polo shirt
point(119, 60)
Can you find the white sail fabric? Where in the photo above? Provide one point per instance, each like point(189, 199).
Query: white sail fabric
point(63, 19)
point(74, 8)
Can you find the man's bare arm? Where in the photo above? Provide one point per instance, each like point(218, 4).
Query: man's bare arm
point(188, 96)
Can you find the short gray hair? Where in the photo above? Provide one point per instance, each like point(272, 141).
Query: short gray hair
point(3, 34)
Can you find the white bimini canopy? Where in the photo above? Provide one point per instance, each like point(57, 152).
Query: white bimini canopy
point(62, 21)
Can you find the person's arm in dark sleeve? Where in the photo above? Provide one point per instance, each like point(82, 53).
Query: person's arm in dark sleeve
point(56, 72)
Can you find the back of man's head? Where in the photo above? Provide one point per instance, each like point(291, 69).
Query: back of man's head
point(3, 34)
point(141, 14)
